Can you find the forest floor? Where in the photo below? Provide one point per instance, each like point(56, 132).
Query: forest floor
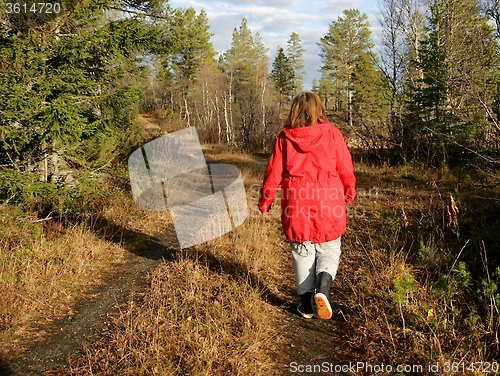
point(229, 305)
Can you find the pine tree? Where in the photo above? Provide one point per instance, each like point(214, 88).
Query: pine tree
point(347, 40)
point(247, 68)
point(371, 103)
point(242, 55)
point(192, 46)
point(325, 90)
point(189, 51)
point(295, 52)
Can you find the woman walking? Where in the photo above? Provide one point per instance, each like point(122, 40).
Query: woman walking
point(314, 167)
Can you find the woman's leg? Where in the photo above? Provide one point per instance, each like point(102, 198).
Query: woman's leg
point(327, 257)
point(304, 263)
point(327, 262)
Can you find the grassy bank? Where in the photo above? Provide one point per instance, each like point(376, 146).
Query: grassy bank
point(212, 310)
point(424, 274)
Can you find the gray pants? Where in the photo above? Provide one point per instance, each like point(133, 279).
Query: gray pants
point(311, 259)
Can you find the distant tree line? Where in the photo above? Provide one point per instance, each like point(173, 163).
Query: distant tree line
point(71, 85)
point(232, 97)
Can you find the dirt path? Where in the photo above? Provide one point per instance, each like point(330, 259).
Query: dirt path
point(66, 335)
point(316, 342)
point(311, 341)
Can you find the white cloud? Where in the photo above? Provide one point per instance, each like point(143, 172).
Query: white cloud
point(191, 4)
point(333, 9)
point(273, 3)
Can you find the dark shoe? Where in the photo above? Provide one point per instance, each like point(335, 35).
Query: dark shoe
point(324, 281)
point(305, 307)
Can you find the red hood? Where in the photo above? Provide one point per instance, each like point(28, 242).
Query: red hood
point(306, 138)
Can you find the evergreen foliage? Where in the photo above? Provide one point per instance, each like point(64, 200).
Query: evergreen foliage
point(356, 86)
point(71, 85)
point(283, 75)
point(68, 87)
point(191, 43)
point(295, 53)
point(452, 105)
point(346, 43)
point(247, 67)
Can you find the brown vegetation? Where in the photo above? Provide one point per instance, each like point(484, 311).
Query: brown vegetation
point(408, 289)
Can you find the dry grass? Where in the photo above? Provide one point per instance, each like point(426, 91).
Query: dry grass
point(210, 311)
point(408, 300)
point(401, 237)
point(192, 321)
point(405, 294)
point(46, 264)
point(43, 268)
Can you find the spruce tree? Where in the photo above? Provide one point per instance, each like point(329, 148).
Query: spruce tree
point(69, 87)
point(283, 76)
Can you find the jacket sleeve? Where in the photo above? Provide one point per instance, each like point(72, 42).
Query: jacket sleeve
point(345, 168)
point(272, 177)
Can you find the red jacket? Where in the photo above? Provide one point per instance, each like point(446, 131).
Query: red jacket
point(314, 168)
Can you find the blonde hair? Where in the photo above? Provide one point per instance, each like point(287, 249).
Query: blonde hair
point(306, 110)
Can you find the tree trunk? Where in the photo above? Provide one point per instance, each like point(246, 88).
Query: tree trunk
point(349, 103)
point(187, 112)
point(226, 118)
point(263, 115)
point(231, 109)
point(217, 112)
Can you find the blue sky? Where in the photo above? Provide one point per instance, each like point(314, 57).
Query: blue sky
point(275, 20)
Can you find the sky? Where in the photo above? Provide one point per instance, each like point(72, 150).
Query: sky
point(275, 20)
